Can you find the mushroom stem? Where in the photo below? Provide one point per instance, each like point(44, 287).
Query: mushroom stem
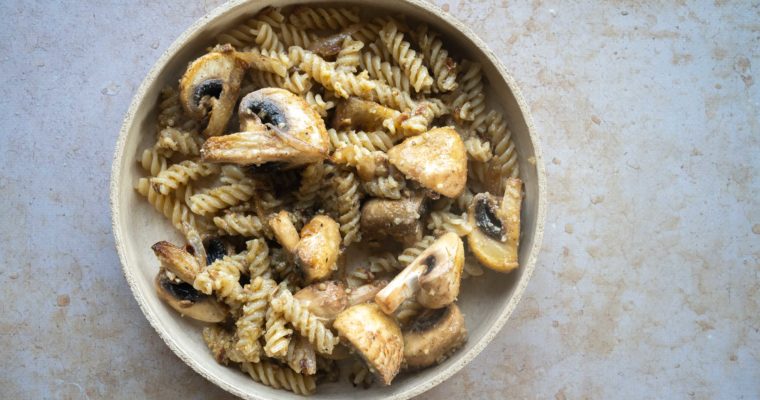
point(402, 287)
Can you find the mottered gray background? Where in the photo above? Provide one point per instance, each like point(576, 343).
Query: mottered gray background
point(648, 284)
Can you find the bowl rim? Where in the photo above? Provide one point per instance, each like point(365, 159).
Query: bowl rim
point(491, 332)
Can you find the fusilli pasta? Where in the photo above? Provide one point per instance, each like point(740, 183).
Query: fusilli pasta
point(410, 62)
point(278, 377)
point(306, 323)
point(323, 18)
point(180, 174)
point(221, 197)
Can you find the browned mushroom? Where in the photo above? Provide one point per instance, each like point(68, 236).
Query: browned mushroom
point(318, 249)
point(211, 85)
point(365, 293)
point(324, 299)
point(277, 127)
point(187, 301)
point(375, 336)
point(355, 113)
point(495, 236)
point(437, 159)
point(434, 277)
point(433, 336)
point(284, 230)
point(177, 261)
point(397, 219)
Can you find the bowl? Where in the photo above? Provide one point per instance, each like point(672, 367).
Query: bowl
point(487, 301)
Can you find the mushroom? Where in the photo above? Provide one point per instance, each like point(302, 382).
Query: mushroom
point(398, 219)
point(433, 336)
point(365, 293)
point(212, 82)
point(433, 276)
point(276, 126)
point(189, 302)
point(437, 159)
point(177, 261)
point(284, 230)
point(375, 336)
point(324, 299)
point(318, 249)
point(355, 113)
point(495, 236)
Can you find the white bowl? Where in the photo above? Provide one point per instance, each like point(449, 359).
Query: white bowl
point(487, 301)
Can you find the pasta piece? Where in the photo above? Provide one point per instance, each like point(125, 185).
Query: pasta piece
point(464, 199)
point(222, 345)
point(407, 311)
point(244, 35)
point(471, 267)
point(437, 58)
point(417, 121)
point(293, 35)
point(222, 278)
point(277, 335)
point(266, 39)
point(152, 161)
point(388, 187)
point(257, 261)
point(284, 270)
point(250, 325)
point(318, 104)
point(505, 154)
point(296, 82)
point(441, 222)
point(349, 57)
point(184, 142)
point(471, 100)
point(170, 113)
point(323, 18)
point(312, 181)
point(372, 141)
point(344, 84)
point(180, 174)
point(346, 190)
point(369, 32)
point(306, 323)
point(232, 174)
point(383, 263)
point(360, 375)
point(410, 253)
point(237, 224)
point(391, 97)
point(410, 62)
point(359, 276)
point(368, 164)
point(378, 49)
point(173, 209)
point(478, 149)
point(222, 197)
point(384, 71)
point(273, 375)
point(301, 356)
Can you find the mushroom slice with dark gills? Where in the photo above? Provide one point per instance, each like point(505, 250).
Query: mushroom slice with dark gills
point(433, 336)
point(375, 336)
point(397, 219)
point(433, 277)
point(495, 237)
point(210, 88)
point(276, 126)
point(187, 301)
point(437, 159)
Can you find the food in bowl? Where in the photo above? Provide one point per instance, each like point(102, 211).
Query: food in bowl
point(332, 217)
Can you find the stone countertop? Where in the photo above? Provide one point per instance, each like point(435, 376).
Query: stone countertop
point(648, 285)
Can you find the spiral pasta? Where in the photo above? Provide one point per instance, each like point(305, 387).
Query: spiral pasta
point(221, 344)
point(152, 161)
point(372, 141)
point(311, 183)
point(344, 84)
point(349, 56)
point(323, 18)
point(407, 311)
point(388, 187)
point(470, 102)
point(346, 190)
point(383, 263)
point(319, 105)
point(410, 62)
point(411, 252)
point(440, 222)
point(391, 97)
point(181, 173)
point(505, 155)
point(172, 208)
point(221, 278)
point(296, 82)
point(301, 357)
point(368, 32)
point(360, 375)
point(237, 224)
point(278, 377)
point(277, 335)
point(306, 323)
point(222, 197)
point(257, 261)
point(267, 39)
point(384, 71)
point(293, 35)
point(250, 325)
point(437, 58)
point(244, 35)
point(478, 149)
point(184, 142)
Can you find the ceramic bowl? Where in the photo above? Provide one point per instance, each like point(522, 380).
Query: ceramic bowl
point(486, 301)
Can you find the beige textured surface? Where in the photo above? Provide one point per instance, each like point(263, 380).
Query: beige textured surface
point(648, 284)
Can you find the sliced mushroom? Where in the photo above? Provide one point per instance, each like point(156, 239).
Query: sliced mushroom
point(211, 84)
point(375, 336)
point(324, 299)
point(330, 46)
point(433, 276)
point(318, 249)
point(177, 261)
point(495, 237)
point(437, 159)
point(365, 293)
point(277, 126)
point(355, 113)
point(284, 230)
point(397, 219)
point(189, 302)
point(433, 336)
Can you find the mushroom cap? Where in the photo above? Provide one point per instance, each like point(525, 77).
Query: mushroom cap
point(433, 336)
point(398, 219)
point(324, 299)
point(375, 336)
point(437, 159)
point(212, 80)
point(439, 283)
point(318, 249)
point(495, 236)
point(276, 126)
point(177, 261)
point(189, 302)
